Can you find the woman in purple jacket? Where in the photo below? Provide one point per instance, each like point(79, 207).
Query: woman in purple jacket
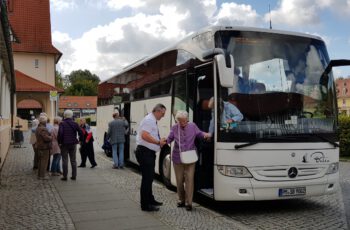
point(184, 132)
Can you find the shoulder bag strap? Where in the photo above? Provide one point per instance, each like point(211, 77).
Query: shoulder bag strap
point(178, 129)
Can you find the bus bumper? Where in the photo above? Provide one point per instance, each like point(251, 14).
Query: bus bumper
point(230, 188)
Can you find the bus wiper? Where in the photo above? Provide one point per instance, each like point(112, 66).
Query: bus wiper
point(262, 139)
point(335, 144)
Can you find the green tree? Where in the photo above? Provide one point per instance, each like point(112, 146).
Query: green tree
point(59, 80)
point(81, 83)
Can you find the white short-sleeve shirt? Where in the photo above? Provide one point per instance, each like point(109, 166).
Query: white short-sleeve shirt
point(148, 124)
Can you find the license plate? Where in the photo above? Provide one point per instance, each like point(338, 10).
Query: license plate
point(298, 191)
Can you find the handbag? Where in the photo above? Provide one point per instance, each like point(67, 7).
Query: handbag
point(189, 156)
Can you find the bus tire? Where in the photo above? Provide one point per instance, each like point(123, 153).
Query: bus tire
point(164, 169)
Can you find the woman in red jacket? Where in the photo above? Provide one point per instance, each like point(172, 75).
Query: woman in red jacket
point(86, 145)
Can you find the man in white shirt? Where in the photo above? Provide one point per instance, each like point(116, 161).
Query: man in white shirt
point(148, 143)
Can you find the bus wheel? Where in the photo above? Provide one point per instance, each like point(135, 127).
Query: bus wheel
point(165, 169)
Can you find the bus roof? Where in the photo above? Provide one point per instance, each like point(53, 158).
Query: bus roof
point(182, 43)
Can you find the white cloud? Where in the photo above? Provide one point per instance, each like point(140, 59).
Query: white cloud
point(120, 4)
point(106, 49)
point(62, 4)
point(295, 12)
point(236, 15)
point(307, 12)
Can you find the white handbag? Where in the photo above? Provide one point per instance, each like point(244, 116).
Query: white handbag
point(187, 157)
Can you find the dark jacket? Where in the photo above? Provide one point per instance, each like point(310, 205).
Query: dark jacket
point(67, 132)
point(43, 138)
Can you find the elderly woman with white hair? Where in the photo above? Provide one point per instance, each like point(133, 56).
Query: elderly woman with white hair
point(184, 134)
point(67, 138)
point(43, 146)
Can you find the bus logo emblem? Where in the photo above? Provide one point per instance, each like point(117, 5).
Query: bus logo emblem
point(292, 172)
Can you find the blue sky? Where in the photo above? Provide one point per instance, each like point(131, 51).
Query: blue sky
point(106, 35)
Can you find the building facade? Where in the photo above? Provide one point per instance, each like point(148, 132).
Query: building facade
point(343, 95)
point(82, 106)
point(35, 57)
point(7, 84)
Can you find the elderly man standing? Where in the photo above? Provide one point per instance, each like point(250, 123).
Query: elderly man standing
point(148, 143)
point(116, 133)
point(67, 137)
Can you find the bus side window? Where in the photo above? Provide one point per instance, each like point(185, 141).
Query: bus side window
point(179, 96)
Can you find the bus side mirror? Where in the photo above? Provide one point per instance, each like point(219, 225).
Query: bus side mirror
point(225, 69)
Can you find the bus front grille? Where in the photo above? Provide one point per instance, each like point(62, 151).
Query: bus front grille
point(284, 173)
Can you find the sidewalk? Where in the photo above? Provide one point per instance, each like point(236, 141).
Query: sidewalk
point(90, 202)
point(93, 203)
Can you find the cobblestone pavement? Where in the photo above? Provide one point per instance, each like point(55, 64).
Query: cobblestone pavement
point(345, 185)
point(324, 212)
point(25, 201)
point(177, 218)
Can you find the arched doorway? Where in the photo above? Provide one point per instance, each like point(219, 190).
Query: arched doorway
point(29, 108)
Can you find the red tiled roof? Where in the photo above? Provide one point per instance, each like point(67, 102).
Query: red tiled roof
point(31, 25)
point(106, 90)
point(25, 83)
point(29, 104)
point(77, 102)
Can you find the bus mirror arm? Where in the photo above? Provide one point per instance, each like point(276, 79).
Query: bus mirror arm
point(332, 63)
point(212, 52)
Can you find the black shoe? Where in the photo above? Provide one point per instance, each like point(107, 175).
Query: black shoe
point(73, 178)
point(180, 204)
point(81, 166)
point(64, 178)
point(93, 166)
point(189, 207)
point(157, 203)
point(150, 208)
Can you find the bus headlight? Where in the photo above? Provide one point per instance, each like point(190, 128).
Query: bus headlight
point(333, 168)
point(234, 171)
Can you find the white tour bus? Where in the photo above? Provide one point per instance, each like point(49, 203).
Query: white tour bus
point(286, 146)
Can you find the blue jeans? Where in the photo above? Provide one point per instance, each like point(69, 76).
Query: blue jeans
point(55, 165)
point(119, 163)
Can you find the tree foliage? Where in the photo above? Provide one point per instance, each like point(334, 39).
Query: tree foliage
point(59, 80)
point(80, 83)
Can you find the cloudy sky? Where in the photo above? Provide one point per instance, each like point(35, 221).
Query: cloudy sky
point(106, 35)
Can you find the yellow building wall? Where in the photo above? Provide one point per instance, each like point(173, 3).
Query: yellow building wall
point(5, 138)
point(25, 62)
point(344, 107)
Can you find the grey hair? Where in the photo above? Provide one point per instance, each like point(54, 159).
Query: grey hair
point(68, 114)
point(57, 120)
point(158, 107)
point(43, 114)
point(181, 114)
point(42, 119)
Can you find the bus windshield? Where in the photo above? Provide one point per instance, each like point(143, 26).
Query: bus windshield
point(279, 92)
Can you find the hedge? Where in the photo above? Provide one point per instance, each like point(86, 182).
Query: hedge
point(344, 135)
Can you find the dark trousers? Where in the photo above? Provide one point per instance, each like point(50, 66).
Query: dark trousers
point(36, 160)
point(70, 150)
point(146, 159)
point(43, 156)
point(87, 151)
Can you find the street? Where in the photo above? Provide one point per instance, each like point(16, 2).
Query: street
point(27, 203)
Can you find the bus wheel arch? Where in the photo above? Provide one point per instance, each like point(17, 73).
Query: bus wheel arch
point(165, 166)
